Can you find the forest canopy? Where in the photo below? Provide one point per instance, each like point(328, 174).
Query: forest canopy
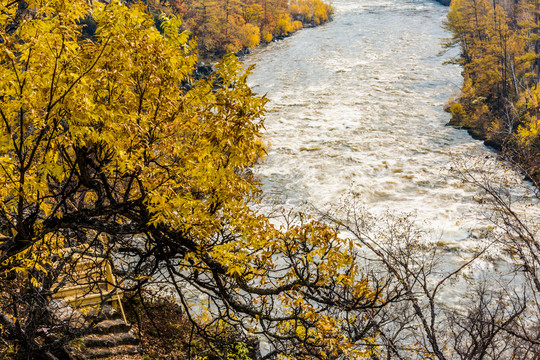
point(500, 54)
point(223, 26)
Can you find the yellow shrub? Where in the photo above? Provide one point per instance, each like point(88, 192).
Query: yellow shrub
point(316, 11)
point(294, 9)
point(529, 132)
point(233, 47)
point(456, 109)
point(251, 35)
point(284, 25)
point(266, 36)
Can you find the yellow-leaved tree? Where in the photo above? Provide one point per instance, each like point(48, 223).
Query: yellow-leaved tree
point(500, 48)
point(107, 141)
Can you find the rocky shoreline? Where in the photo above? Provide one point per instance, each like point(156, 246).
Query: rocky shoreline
point(205, 67)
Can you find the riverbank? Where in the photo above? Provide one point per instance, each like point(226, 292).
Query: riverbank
point(205, 67)
point(499, 100)
point(505, 147)
point(302, 22)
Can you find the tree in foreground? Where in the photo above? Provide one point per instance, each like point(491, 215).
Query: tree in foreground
point(106, 141)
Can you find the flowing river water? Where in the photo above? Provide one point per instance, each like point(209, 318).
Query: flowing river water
point(356, 107)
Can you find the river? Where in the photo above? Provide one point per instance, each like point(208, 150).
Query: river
point(356, 107)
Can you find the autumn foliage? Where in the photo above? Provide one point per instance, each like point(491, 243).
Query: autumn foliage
point(232, 25)
point(500, 54)
point(108, 143)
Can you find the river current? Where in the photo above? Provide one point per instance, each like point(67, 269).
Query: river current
point(356, 107)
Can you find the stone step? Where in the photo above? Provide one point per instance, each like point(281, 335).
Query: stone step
point(111, 351)
point(110, 340)
point(107, 313)
point(111, 327)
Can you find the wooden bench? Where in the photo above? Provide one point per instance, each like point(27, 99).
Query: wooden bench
point(87, 281)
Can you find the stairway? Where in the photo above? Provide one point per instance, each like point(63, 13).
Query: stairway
point(88, 284)
point(111, 336)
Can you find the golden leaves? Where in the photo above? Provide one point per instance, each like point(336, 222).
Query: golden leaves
point(499, 98)
point(114, 131)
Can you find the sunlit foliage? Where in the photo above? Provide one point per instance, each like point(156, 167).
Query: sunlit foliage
point(107, 142)
point(232, 25)
point(500, 54)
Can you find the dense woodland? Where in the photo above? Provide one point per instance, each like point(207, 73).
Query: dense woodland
point(110, 146)
point(222, 26)
point(500, 54)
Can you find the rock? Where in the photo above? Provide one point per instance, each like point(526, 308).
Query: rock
point(110, 340)
point(106, 313)
point(111, 326)
point(203, 70)
point(124, 350)
point(61, 312)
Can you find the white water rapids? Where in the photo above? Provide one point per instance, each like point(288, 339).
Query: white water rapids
point(356, 106)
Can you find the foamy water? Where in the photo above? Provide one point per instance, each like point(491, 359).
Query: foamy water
point(356, 107)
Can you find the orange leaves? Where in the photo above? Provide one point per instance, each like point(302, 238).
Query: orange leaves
point(232, 25)
point(314, 12)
